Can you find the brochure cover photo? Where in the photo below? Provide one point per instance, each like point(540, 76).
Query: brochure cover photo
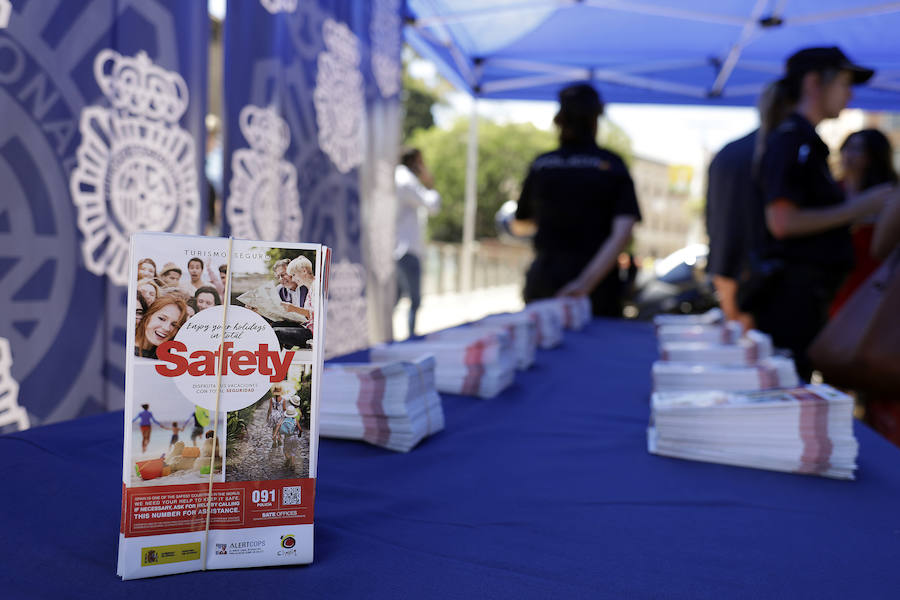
point(221, 414)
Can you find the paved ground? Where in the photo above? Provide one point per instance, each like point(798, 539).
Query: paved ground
point(446, 310)
point(255, 459)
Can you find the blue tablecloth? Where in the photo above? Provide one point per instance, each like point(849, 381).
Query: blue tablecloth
point(545, 491)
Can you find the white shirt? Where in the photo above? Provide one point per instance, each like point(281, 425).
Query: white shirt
point(414, 203)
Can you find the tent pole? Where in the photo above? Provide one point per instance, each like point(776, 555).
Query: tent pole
point(471, 201)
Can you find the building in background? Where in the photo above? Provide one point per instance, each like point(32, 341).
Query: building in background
point(668, 220)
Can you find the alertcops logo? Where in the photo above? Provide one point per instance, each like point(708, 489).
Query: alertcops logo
point(221, 548)
point(288, 541)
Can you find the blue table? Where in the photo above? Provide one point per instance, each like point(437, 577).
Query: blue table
point(545, 491)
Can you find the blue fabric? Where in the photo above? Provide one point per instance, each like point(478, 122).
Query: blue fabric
point(62, 304)
point(674, 43)
point(546, 491)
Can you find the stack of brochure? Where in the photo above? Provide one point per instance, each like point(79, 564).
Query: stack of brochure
point(801, 430)
point(573, 313)
point(476, 363)
point(749, 350)
point(550, 323)
point(522, 328)
point(393, 405)
point(772, 372)
point(711, 317)
point(719, 333)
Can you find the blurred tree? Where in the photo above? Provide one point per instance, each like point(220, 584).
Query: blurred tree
point(418, 99)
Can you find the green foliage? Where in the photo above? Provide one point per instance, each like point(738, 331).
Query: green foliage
point(237, 422)
point(504, 154)
point(304, 392)
point(273, 255)
point(418, 99)
point(612, 137)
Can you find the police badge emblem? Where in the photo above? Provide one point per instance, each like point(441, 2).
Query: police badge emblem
point(264, 202)
point(136, 167)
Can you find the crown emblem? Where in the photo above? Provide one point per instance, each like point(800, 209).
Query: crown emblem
point(338, 97)
point(264, 130)
point(137, 86)
point(276, 6)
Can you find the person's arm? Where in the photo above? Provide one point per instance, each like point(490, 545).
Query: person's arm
point(786, 220)
point(603, 261)
point(523, 227)
point(136, 418)
point(215, 280)
point(887, 230)
point(152, 418)
point(296, 309)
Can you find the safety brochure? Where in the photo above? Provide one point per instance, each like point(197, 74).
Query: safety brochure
point(225, 344)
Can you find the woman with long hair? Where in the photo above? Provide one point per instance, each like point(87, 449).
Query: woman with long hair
point(160, 323)
point(867, 160)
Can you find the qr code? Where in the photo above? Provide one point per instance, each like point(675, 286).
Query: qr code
point(291, 495)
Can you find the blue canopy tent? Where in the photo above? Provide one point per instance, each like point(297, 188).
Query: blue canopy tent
point(652, 51)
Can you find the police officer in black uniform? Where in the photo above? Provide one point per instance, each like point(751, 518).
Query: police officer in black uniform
point(808, 250)
point(579, 203)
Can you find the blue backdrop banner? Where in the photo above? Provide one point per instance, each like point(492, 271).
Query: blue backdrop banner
point(103, 105)
point(311, 128)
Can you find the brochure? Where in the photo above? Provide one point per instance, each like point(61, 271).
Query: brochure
point(225, 343)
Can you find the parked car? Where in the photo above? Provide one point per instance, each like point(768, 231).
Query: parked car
point(676, 284)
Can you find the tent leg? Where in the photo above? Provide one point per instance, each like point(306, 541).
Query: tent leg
point(471, 201)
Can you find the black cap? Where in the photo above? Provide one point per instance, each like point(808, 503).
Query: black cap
point(580, 98)
point(818, 59)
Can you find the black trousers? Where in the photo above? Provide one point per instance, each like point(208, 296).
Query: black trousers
point(794, 308)
point(550, 272)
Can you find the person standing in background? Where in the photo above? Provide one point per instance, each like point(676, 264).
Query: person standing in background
point(807, 214)
point(580, 204)
point(734, 214)
point(416, 199)
point(866, 161)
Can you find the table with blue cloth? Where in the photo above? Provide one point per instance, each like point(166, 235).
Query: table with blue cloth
point(546, 491)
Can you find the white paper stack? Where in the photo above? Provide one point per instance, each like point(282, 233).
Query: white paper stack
point(710, 317)
point(801, 430)
point(748, 350)
point(573, 313)
point(521, 326)
point(550, 323)
point(476, 363)
point(772, 372)
point(393, 405)
point(719, 333)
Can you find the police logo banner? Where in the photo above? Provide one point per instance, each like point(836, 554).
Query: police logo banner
point(265, 201)
point(136, 168)
point(312, 69)
point(65, 64)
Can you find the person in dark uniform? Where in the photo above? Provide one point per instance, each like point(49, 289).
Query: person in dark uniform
point(808, 247)
point(579, 203)
point(734, 213)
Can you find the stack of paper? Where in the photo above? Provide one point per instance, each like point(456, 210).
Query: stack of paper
point(573, 313)
point(772, 372)
point(720, 333)
point(710, 317)
point(748, 350)
point(521, 326)
point(476, 363)
point(393, 405)
point(802, 430)
point(550, 322)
